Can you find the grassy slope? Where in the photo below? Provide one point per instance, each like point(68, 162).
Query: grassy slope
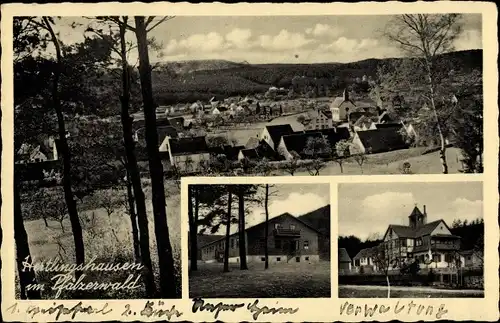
point(109, 239)
point(279, 281)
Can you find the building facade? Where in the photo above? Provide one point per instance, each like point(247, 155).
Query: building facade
point(289, 240)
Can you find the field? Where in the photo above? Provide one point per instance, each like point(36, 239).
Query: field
point(279, 281)
point(404, 292)
point(107, 238)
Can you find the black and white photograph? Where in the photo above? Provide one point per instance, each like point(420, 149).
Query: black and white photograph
point(418, 240)
point(111, 111)
point(259, 240)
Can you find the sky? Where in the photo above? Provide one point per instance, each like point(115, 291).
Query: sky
point(276, 39)
point(296, 199)
point(365, 210)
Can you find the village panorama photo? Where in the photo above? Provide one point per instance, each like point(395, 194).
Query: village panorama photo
point(110, 112)
point(418, 240)
point(259, 240)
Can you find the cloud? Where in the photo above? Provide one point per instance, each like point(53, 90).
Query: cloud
point(285, 40)
point(295, 203)
point(350, 45)
point(469, 39)
point(197, 42)
point(239, 38)
point(322, 30)
point(376, 212)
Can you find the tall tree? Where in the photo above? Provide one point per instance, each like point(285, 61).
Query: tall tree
point(166, 262)
point(23, 253)
point(241, 227)
point(423, 37)
point(122, 48)
point(266, 231)
point(228, 229)
point(46, 24)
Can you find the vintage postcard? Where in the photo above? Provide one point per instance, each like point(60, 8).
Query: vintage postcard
point(249, 162)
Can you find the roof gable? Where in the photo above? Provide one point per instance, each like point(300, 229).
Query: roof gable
point(189, 145)
point(382, 139)
point(278, 131)
point(343, 255)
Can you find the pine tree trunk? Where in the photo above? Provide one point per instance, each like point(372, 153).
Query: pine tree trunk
point(133, 219)
point(228, 232)
point(168, 284)
point(64, 150)
point(266, 231)
point(241, 219)
point(193, 227)
point(26, 277)
point(142, 217)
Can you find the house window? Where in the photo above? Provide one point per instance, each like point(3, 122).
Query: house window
point(278, 258)
point(409, 242)
point(307, 258)
point(277, 226)
point(237, 242)
point(292, 227)
point(418, 242)
point(448, 258)
point(277, 244)
point(232, 243)
point(306, 244)
point(436, 257)
point(263, 259)
point(356, 262)
point(469, 257)
point(297, 259)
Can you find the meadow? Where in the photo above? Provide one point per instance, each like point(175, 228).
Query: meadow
point(404, 292)
point(108, 238)
point(279, 281)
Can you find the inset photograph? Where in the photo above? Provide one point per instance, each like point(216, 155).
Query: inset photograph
point(418, 240)
point(266, 241)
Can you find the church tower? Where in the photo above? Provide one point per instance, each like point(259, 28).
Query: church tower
point(417, 218)
point(345, 95)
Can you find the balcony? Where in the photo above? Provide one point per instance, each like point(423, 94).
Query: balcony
point(281, 232)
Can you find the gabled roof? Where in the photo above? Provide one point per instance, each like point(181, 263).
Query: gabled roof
point(404, 231)
point(388, 125)
point(161, 131)
point(188, 145)
point(278, 131)
point(384, 139)
point(252, 142)
point(365, 121)
point(204, 239)
point(286, 214)
point(250, 153)
point(365, 253)
point(343, 255)
point(298, 141)
point(338, 101)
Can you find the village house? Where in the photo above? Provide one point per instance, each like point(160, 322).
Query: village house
point(432, 244)
point(272, 134)
point(162, 131)
point(341, 106)
point(319, 119)
point(289, 240)
point(364, 261)
point(186, 154)
point(262, 150)
point(297, 143)
point(231, 152)
point(344, 261)
point(378, 140)
point(472, 258)
point(44, 149)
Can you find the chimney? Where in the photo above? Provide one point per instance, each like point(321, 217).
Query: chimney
point(424, 220)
